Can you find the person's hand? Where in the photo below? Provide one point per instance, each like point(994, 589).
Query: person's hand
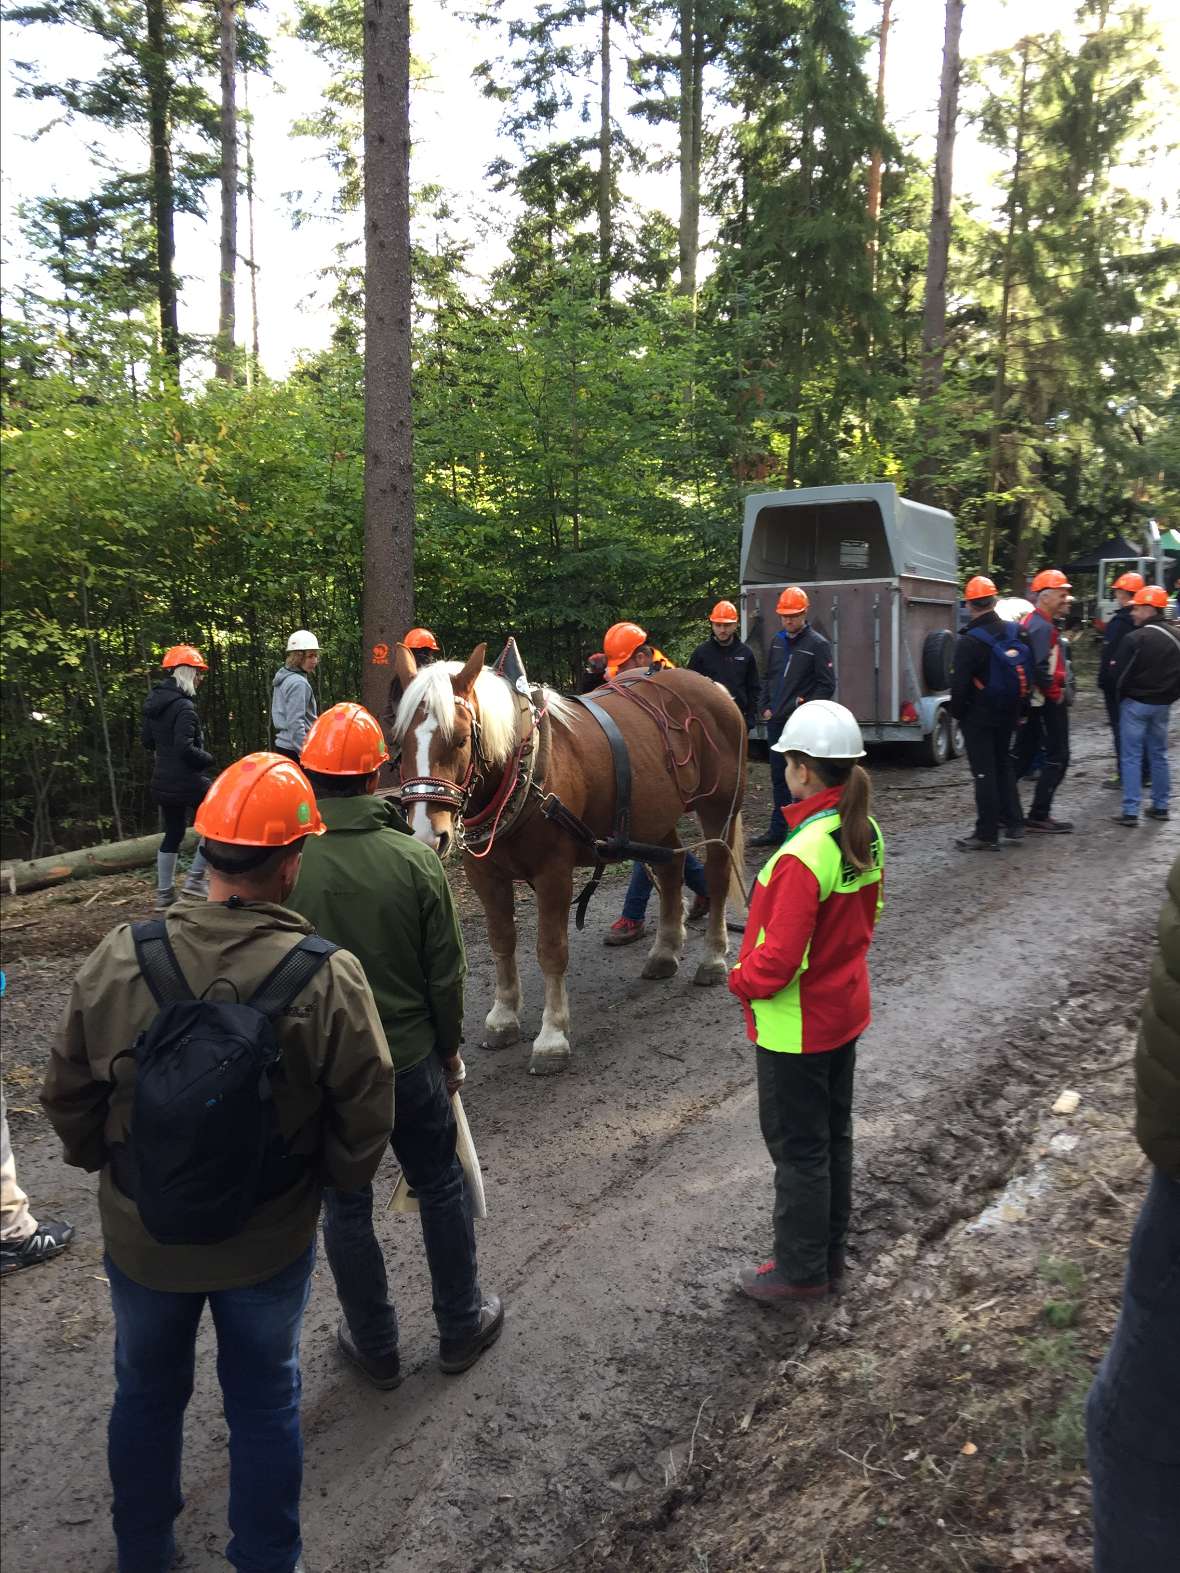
point(455, 1072)
point(766, 714)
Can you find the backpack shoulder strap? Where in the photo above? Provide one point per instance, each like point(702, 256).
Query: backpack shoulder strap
point(158, 963)
point(292, 975)
point(982, 635)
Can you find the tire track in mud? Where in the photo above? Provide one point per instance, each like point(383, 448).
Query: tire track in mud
point(622, 1197)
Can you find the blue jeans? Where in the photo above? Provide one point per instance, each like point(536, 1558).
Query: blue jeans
point(258, 1368)
point(423, 1142)
point(1143, 729)
point(1133, 1440)
point(640, 889)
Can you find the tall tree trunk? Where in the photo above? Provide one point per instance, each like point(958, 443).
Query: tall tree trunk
point(934, 305)
point(690, 170)
point(163, 189)
point(1000, 382)
point(226, 313)
point(389, 475)
point(252, 368)
point(874, 202)
point(604, 159)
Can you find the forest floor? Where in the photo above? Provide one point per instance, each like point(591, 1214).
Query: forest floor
point(637, 1414)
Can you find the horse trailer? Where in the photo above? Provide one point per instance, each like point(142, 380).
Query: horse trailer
point(881, 574)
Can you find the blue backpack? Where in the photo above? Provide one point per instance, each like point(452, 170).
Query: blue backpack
point(1010, 671)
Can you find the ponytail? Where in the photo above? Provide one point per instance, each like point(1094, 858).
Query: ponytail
point(856, 834)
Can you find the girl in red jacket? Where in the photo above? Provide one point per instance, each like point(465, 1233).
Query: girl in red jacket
point(803, 982)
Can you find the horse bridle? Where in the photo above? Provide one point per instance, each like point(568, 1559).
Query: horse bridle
point(436, 789)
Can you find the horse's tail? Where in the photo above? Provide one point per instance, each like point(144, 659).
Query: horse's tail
point(737, 865)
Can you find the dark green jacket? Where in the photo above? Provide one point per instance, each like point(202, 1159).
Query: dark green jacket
point(1157, 1058)
point(372, 888)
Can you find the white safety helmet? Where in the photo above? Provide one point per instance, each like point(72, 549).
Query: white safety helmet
point(301, 639)
point(823, 729)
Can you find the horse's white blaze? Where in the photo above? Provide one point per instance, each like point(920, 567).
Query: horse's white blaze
point(420, 814)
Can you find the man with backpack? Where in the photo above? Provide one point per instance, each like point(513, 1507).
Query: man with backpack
point(1118, 625)
point(372, 887)
point(1047, 726)
point(992, 679)
point(1147, 681)
point(218, 1066)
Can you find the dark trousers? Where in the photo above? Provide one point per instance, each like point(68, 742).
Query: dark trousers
point(1132, 1433)
point(175, 817)
point(1047, 727)
point(423, 1142)
point(288, 753)
point(778, 782)
point(989, 754)
point(258, 1368)
point(805, 1111)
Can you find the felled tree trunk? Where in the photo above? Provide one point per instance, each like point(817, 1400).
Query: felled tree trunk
point(114, 857)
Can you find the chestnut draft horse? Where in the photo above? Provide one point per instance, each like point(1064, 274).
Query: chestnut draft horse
point(524, 781)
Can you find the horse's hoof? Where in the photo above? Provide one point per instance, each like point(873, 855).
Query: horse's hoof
point(660, 967)
point(548, 1062)
point(503, 1038)
point(709, 973)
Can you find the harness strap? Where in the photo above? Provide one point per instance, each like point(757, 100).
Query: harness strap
point(622, 763)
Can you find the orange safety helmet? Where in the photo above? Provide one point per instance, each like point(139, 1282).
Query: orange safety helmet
point(1151, 595)
point(184, 655)
point(345, 741)
point(1130, 582)
point(620, 643)
point(264, 800)
point(792, 601)
point(724, 612)
point(979, 588)
point(421, 639)
point(1050, 579)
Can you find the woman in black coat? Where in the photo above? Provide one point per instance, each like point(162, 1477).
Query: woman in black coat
point(172, 729)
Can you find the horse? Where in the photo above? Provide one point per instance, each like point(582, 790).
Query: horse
point(525, 783)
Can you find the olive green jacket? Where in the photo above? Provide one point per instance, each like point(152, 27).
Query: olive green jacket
point(371, 887)
point(1157, 1058)
point(333, 1097)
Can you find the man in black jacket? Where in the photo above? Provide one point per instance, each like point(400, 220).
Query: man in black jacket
point(1147, 680)
point(799, 667)
point(988, 719)
point(728, 661)
point(1118, 625)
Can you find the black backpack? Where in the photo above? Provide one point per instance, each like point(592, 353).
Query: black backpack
point(204, 1148)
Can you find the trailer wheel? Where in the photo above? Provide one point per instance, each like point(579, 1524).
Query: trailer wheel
point(936, 745)
point(958, 744)
point(938, 653)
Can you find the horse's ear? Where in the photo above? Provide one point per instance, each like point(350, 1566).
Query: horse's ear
point(405, 665)
point(464, 681)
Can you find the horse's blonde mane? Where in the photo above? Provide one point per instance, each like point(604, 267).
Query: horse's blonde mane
point(497, 712)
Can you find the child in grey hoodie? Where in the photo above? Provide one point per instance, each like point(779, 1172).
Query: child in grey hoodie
point(293, 706)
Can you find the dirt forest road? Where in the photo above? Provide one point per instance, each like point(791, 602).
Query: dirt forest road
point(622, 1197)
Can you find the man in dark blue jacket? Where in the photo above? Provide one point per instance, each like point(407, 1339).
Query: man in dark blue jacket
point(1119, 624)
point(799, 667)
point(724, 658)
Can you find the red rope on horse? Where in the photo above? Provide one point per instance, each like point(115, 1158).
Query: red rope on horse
point(669, 724)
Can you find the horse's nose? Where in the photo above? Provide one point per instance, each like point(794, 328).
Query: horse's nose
point(443, 844)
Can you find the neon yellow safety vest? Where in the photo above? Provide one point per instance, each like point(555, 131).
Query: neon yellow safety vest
point(779, 1019)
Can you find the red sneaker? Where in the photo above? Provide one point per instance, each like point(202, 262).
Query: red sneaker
point(625, 931)
point(767, 1285)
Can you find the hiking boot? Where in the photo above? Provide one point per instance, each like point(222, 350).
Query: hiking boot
point(1115, 784)
point(383, 1371)
point(625, 931)
point(1131, 821)
point(48, 1239)
point(1158, 813)
point(196, 889)
point(1013, 832)
point(699, 909)
point(456, 1354)
point(766, 840)
point(1050, 827)
point(767, 1285)
point(974, 844)
point(164, 899)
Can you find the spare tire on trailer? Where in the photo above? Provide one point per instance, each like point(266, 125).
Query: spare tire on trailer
point(938, 654)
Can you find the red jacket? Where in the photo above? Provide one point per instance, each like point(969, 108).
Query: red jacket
point(832, 937)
